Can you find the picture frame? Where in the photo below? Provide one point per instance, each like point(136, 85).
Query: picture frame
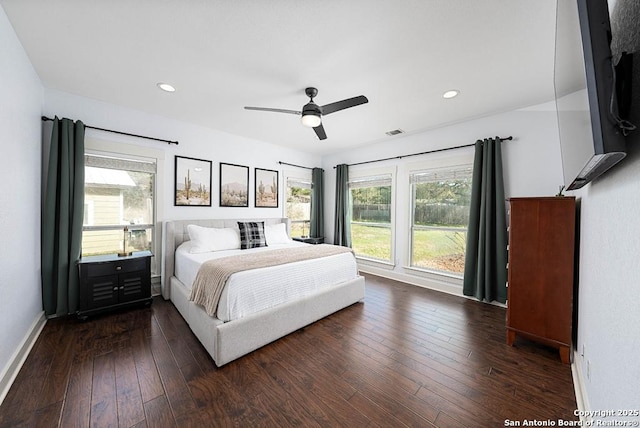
point(234, 185)
point(265, 188)
point(192, 182)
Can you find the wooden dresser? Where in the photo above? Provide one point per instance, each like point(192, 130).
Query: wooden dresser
point(541, 264)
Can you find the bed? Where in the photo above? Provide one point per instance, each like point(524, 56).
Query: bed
point(228, 337)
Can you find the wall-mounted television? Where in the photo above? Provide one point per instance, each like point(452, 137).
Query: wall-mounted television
point(591, 130)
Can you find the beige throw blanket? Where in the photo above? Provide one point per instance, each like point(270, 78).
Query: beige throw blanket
point(213, 274)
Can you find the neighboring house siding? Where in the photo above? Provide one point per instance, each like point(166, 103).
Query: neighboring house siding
point(106, 209)
point(107, 205)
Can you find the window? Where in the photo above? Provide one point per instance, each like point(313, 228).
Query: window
point(371, 232)
point(298, 206)
point(118, 192)
point(440, 203)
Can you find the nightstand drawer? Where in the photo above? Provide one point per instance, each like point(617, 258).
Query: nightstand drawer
point(111, 268)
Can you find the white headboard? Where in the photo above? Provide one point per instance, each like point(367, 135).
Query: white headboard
point(175, 233)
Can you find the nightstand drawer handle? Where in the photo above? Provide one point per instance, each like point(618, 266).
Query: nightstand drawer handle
point(118, 267)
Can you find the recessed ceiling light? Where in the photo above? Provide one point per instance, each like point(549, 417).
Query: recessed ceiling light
point(166, 87)
point(451, 94)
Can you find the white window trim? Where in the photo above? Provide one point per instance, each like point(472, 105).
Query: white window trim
point(90, 217)
point(359, 173)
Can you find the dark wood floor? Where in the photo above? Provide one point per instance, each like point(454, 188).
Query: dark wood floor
point(406, 357)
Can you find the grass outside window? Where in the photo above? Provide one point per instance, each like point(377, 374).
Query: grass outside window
point(439, 250)
point(371, 240)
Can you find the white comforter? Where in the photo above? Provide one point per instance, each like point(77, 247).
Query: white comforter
point(254, 290)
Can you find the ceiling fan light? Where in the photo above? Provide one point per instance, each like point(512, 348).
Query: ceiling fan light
point(311, 120)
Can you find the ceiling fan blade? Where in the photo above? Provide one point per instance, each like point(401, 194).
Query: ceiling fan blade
point(320, 132)
point(341, 105)
point(276, 110)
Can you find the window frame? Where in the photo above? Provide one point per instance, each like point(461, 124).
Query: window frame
point(101, 147)
point(447, 163)
point(302, 177)
point(358, 174)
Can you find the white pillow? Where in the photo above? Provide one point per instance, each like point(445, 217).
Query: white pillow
point(276, 234)
point(205, 239)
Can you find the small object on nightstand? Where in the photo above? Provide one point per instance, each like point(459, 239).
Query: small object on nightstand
point(309, 240)
point(124, 252)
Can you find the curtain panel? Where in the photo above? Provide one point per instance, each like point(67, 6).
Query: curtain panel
point(342, 232)
point(62, 218)
point(485, 270)
point(317, 203)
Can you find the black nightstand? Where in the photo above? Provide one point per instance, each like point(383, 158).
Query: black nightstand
point(108, 282)
point(308, 240)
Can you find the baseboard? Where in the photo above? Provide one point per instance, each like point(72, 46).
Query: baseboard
point(419, 281)
point(582, 402)
point(20, 355)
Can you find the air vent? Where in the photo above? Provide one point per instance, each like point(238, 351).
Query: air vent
point(394, 132)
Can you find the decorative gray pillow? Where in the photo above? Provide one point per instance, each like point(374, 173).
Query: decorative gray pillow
point(252, 234)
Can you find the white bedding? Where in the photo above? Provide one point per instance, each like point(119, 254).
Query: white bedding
point(251, 291)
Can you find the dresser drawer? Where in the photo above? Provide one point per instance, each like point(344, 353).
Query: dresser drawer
point(111, 268)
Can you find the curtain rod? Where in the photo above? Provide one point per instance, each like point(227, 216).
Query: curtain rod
point(297, 166)
point(45, 118)
point(422, 153)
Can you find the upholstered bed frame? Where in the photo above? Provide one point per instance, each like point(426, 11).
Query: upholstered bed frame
point(227, 341)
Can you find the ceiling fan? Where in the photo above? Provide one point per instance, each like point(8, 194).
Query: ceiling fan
point(312, 113)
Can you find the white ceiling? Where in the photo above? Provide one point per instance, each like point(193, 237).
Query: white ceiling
point(223, 55)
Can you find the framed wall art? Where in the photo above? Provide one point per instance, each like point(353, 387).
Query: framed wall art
point(192, 182)
point(234, 185)
point(266, 188)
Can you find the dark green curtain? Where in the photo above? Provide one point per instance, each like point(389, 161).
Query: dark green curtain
point(342, 231)
point(317, 203)
point(62, 218)
point(485, 269)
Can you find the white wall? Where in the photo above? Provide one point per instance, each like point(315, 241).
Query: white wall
point(609, 274)
point(609, 291)
point(532, 167)
point(195, 141)
point(20, 104)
